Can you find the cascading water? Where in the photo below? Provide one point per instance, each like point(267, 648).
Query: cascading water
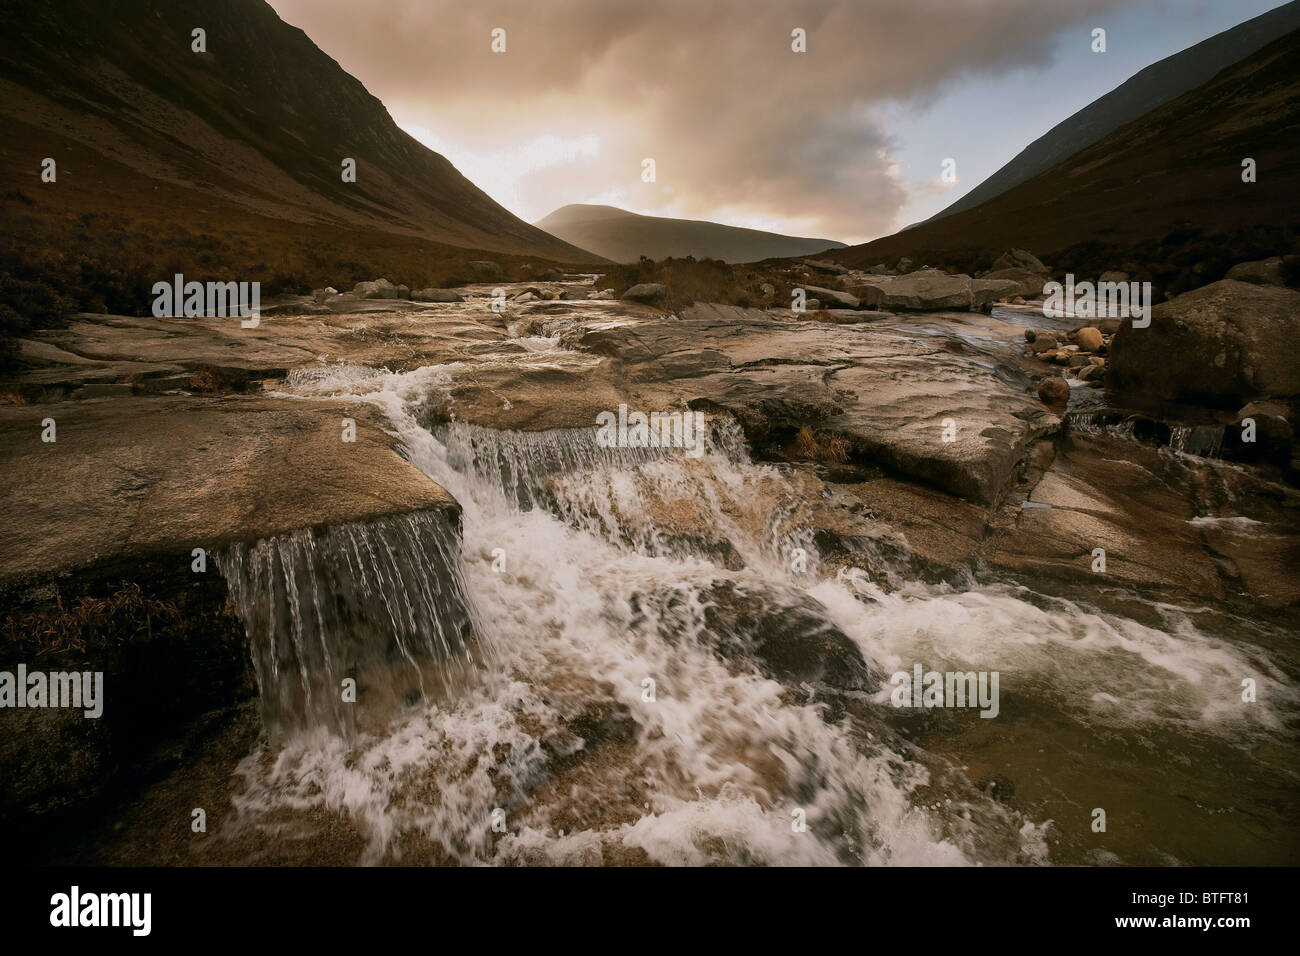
point(379, 603)
point(672, 688)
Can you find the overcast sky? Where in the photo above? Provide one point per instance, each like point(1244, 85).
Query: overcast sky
point(845, 141)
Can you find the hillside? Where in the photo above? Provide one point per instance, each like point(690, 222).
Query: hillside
point(1144, 91)
point(222, 164)
point(1162, 196)
point(626, 236)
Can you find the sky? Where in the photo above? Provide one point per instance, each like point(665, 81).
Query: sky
point(846, 140)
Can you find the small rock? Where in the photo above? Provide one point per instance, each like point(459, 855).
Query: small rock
point(1054, 392)
point(1045, 342)
point(1088, 338)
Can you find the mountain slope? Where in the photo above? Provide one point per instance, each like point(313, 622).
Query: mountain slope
point(1164, 191)
point(256, 126)
point(1144, 91)
point(626, 236)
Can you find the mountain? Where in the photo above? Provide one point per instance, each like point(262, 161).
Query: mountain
point(1140, 94)
point(626, 236)
point(1164, 192)
point(242, 141)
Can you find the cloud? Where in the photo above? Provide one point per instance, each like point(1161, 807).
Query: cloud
point(734, 119)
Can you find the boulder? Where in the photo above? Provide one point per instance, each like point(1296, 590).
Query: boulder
point(926, 290)
point(1088, 339)
point(1019, 259)
point(436, 295)
point(879, 269)
point(1113, 277)
point(1030, 282)
point(376, 289)
point(905, 265)
point(985, 292)
point(1262, 272)
point(1222, 345)
point(648, 292)
point(842, 299)
point(486, 269)
point(830, 268)
point(1054, 392)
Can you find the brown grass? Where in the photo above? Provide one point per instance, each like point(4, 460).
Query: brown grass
point(123, 616)
point(830, 450)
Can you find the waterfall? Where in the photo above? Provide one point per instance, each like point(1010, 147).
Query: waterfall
point(666, 685)
point(381, 603)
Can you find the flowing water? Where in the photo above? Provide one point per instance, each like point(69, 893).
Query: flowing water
point(633, 696)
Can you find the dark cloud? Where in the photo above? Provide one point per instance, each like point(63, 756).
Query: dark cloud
point(735, 121)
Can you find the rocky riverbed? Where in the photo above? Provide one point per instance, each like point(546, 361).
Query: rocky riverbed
point(411, 495)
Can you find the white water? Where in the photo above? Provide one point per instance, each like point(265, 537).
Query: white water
point(715, 768)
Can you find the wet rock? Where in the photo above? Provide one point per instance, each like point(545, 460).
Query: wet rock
point(185, 472)
point(1122, 497)
point(1221, 345)
point(1054, 393)
point(786, 635)
point(883, 392)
